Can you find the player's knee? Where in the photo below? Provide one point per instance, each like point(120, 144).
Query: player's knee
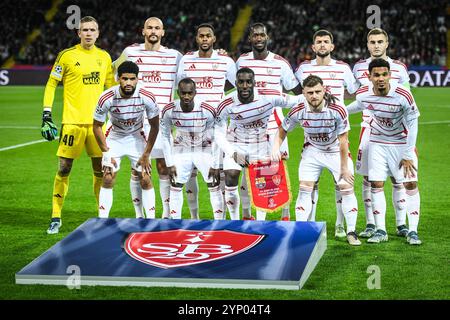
point(108, 180)
point(161, 167)
point(177, 185)
point(213, 184)
point(231, 179)
point(96, 164)
point(377, 184)
point(146, 182)
point(64, 168)
point(411, 185)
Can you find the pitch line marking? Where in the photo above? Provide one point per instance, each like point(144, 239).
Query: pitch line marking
point(19, 127)
point(24, 144)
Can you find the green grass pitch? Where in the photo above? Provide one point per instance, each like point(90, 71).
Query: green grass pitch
point(407, 272)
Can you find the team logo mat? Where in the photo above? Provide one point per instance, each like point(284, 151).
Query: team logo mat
point(269, 186)
point(182, 253)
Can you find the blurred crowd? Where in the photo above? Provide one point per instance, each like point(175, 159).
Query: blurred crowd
point(417, 29)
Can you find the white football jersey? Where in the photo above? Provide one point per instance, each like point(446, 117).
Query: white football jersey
point(321, 129)
point(336, 76)
point(209, 74)
point(389, 114)
point(399, 74)
point(126, 114)
point(273, 72)
point(157, 70)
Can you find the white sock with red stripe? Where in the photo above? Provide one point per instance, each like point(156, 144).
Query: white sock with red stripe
point(136, 195)
point(105, 202)
point(339, 211)
point(349, 208)
point(233, 201)
point(399, 200)
point(413, 204)
point(314, 199)
point(303, 205)
point(367, 200)
point(379, 208)
point(148, 202)
point(222, 189)
point(164, 190)
point(215, 196)
point(176, 202)
point(192, 195)
point(245, 198)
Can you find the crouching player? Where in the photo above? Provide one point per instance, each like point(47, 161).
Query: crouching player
point(325, 124)
point(193, 147)
point(126, 104)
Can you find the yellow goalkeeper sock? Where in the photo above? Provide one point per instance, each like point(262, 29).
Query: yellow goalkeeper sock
point(97, 182)
point(60, 187)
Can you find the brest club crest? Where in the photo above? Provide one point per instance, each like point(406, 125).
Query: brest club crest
point(178, 248)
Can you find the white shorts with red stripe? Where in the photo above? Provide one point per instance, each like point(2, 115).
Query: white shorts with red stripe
point(384, 161)
point(131, 146)
point(314, 161)
point(186, 162)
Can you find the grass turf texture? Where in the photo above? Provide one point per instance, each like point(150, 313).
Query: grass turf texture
point(407, 272)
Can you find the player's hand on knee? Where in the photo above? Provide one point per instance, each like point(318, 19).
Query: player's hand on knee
point(48, 129)
point(145, 164)
point(408, 168)
point(172, 174)
point(241, 159)
point(215, 175)
point(108, 162)
point(346, 177)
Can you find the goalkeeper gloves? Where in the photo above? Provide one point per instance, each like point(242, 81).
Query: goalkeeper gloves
point(48, 128)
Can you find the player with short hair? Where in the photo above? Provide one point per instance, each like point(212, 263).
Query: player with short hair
point(337, 77)
point(271, 72)
point(85, 71)
point(325, 124)
point(125, 104)
point(158, 69)
point(193, 147)
point(246, 138)
point(393, 120)
point(377, 44)
point(213, 73)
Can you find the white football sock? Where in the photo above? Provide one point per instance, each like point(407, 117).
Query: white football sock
point(260, 215)
point(413, 203)
point(303, 205)
point(164, 190)
point(339, 212)
point(176, 202)
point(215, 196)
point(245, 198)
point(379, 208)
point(367, 200)
point(105, 202)
point(314, 200)
point(136, 195)
point(350, 208)
point(222, 189)
point(148, 203)
point(399, 200)
point(233, 201)
point(192, 195)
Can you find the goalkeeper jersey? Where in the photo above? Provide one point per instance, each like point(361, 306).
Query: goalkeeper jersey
point(84, 74)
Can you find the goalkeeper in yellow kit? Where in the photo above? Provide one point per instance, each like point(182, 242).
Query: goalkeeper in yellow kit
point(85, 71)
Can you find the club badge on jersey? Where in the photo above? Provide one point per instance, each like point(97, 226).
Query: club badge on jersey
point(269, 185)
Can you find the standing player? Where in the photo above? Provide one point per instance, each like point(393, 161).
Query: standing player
point(271, 72)
point(158, 68)
point(126, 104)
point(337, 76)
point(326, 127)
point(213, 72)
point(393, 133)
point(246, 138)
point(377, 44)
point(85, 71)
point(193, 147)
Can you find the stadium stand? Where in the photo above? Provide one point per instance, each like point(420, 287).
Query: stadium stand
point(417, 29)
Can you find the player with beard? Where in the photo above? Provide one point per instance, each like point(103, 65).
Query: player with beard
point(213, 73)
point(245, 138)
point(125, 104)
point(393, 120)
point(158, 67)
point(337, 76)
point(271, 72)
point(377, 44)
